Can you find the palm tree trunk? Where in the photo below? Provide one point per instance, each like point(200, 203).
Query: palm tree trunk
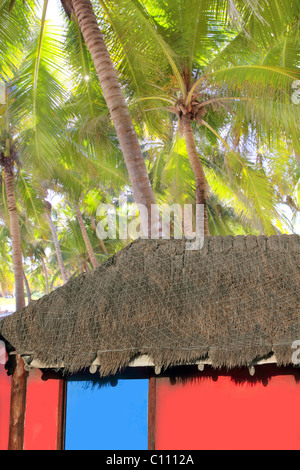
point(57, 248)
point(15, 238)
point(86, 239)
point(117, 106)
point(45, 271)
point(86, 267)
point(201, 183)
point(101, 242)
point(19, 376)
point(27, 287)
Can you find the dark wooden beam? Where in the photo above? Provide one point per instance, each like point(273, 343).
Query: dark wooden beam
point(151, 413)
point(61, 421)
point(17, 405)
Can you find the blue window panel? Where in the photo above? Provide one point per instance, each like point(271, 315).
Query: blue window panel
point(107, 416)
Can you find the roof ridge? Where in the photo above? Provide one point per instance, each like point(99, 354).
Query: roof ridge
point(280, 243)
point(224, 244)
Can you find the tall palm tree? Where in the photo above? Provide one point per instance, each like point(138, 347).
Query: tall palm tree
point(30, 208)
point(229, 212)
point(85, 16)
point(214, 79)
point(26, 123)
point(48, 209)
point(77, 256)
point(35, 251)
point(8, 157)
point(39, 94)
point(86, 238)
point(7, 162)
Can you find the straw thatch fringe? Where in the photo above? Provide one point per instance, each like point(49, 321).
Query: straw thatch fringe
point(234, 301)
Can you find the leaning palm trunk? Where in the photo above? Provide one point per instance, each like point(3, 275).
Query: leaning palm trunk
point(58, 250)
point(56, 244)
point(117, 106)
point(19, 376)
point(201, 183)
point(86, 239)
point(27, 287)
point(45, 271)
point(101, 243)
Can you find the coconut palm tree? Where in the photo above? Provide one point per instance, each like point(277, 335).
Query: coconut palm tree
point(86, 239)
point(75, 247)
point(39, 94)
point(85, 18)
point(229, 211)
point(83, 193)
point(35, 251)
point(7, 161)
point(8, 158)
point(214, 79)
point(26, 124)
point(48, 210)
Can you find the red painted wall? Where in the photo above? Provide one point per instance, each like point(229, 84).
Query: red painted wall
point(219, 413)
point(4, 407)
point(41, 412)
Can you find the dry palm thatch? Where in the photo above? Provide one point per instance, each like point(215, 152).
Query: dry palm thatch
point(233, 302)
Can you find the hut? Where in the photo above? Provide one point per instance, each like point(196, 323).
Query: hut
point(166, 348)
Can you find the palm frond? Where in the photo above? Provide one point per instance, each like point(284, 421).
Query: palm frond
point(37, 96)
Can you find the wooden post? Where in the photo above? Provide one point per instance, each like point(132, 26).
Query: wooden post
point(61, 421)
point(17, 405)
point(151, 413)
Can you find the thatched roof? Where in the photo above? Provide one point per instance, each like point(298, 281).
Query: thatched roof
point(233, 302)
